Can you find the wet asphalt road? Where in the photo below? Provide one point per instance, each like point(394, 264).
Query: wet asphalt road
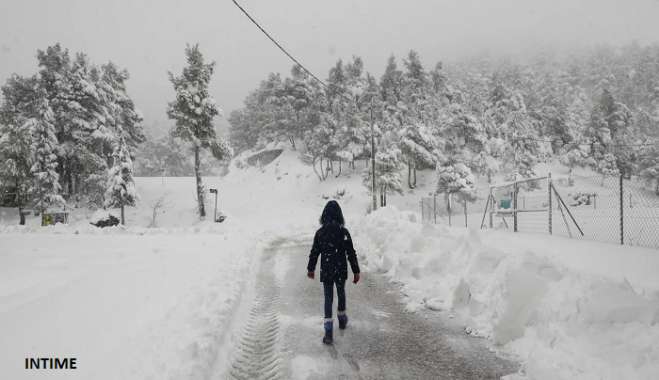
point(382, 341)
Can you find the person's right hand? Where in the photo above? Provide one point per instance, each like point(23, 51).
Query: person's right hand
point(355, 278)
point(310, 275)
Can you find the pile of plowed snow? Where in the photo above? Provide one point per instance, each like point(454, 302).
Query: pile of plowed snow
point(568, 309)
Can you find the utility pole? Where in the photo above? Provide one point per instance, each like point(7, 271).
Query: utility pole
point(375, 200)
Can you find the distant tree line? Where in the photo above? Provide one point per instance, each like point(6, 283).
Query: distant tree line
point(168, 156)
point(598, 108)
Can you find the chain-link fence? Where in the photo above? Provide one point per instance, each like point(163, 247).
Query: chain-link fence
point(614, 209)
point(454, 209)
point(602, 208)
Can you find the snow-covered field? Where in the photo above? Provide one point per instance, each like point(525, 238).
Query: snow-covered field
point(141, 302)
point(125, 305)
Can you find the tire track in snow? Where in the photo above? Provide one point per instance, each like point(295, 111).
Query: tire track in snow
point(256, 355)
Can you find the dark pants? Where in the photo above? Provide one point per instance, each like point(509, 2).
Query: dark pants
point(329, 295)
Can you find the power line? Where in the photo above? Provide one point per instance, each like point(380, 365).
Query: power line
point(342, 91)
point(289, 55)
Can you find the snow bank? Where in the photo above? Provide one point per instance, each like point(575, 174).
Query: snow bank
point(568, 309)
point(127, 306)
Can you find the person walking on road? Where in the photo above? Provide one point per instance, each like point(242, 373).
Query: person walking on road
point(334, 245)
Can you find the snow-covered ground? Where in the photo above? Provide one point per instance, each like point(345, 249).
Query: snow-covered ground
point(146, 301)
point(127, 306)
point(141, 302)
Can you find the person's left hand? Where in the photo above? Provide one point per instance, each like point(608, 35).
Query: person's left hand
point(355, 278)
point(310, 275)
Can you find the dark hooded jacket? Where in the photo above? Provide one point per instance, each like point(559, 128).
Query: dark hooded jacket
point(334, 245)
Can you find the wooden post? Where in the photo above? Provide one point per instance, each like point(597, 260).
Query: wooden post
point(562, 202)
point(375, 202)
point(491, 209)
point(434, 208)
point(487, 206)
point(465, 209)
point(515, 206)
point(549, 210)
point(448, 207)
point(622, 212)
point(215, 212)
point(567, 226)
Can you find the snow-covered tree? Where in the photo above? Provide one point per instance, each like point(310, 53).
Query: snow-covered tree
point(121, 190)
point(91, 109)
point(455, 178)
point(576, 152)
point(194, 110)
point(391, 83)
point(388, 165)
point(508, 122)
point(649, 164)
point(45, 185)
point(416, 85)
point(420, 148)
point(15, 164)
point(354, 132)
point(16, 140)
point(122, 118)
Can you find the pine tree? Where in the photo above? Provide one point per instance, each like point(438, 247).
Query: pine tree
point(45, 187)
point(16, 140)
point(511, 131)
point(194, 110)
point(610, 136)
point(90, 110)
point(387, 168)
point(575, 152)
point(649, 164)
point(455, 177)
point(122, 117)
point(15, 163)
point(391, 83)
point(354, 131)
point(120, 184)
point(297, 94)
point(420, 148)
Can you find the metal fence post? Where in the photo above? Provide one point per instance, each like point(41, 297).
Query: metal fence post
point(622, 206)
point(434, 208)
point(515, 206)
point(491, 208)
point(549, 202)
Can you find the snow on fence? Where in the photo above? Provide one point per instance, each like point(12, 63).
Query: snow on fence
point(610, 209)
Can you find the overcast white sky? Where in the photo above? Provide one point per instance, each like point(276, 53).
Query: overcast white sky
point(148, 37)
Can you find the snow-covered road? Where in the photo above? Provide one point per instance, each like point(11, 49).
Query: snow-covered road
point(281, 331)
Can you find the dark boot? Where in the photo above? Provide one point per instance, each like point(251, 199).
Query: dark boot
point(343, 320)
point(329, 336)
